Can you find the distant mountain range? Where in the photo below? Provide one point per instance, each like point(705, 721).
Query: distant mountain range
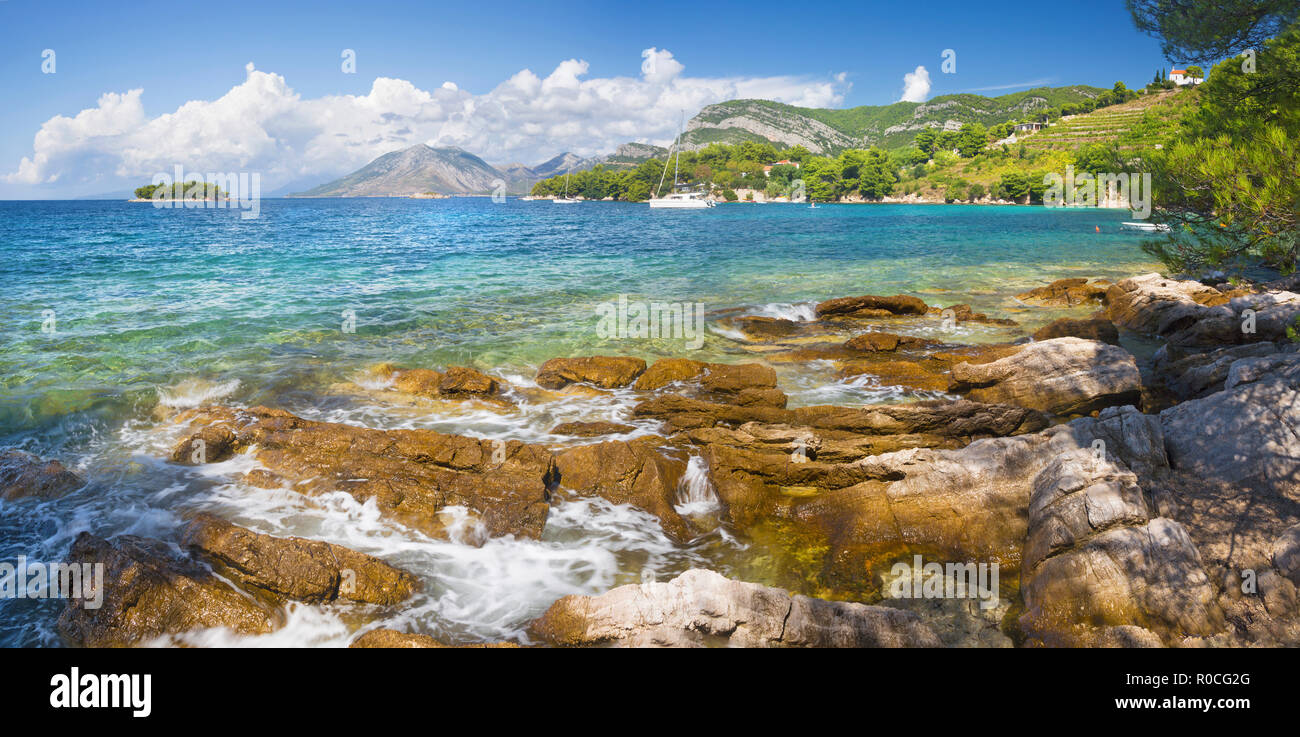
point(451, 170)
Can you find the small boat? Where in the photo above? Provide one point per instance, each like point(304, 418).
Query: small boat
point(566, 199)
point(683, 201)
point(1146, 227)
point(812, 205)
point(680, 199)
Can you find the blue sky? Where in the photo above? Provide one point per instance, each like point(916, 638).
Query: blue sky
point(831, 54)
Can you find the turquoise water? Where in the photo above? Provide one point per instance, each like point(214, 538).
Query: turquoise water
point(174, 307)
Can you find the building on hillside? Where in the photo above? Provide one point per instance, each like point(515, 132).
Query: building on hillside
point(1028, 127)
point(767, 170)
point(1181, 78)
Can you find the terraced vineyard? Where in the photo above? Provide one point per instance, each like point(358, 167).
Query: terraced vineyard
point(1134, 124)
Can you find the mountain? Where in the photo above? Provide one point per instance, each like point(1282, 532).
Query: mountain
point(417, 169)
point(631, 154)
point(888, 126)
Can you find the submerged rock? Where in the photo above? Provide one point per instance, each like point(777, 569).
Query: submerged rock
point(296, 568)
point(1064, 376)
point(882, 341)
point(738, 383)
point(412, 475)
point(701, 608)
point(1066, 293)
point(23, 474)
point(608, 372)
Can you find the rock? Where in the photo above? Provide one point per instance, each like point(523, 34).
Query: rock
point(458, 382)
point(1089, 329)
point(880, 341)
point(924, 374)
point(1188, 313)
point(1065, 293)
point(701, 608)
point(721, 378)
point(1201, 373)
point(296, 568)
point(1286, 554)
point(608, 372)
point(940, 418)
point(1252, 369)
point(964, 313)
point(25, 475)
point(591, 429)
point(386, 638)
point(1240, 435)
point(412, 475)
point(1064, 376)
point(872, 306)
point(149, 591)
point(465, 381)
point(635, 473)
point(668, 370)
point(421, 382)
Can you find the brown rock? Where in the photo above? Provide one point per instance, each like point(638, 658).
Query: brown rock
point(150, 591)
point(964, 313)
point(635, 473)
point(872, 306)
point(668, 370)
point(296, 568)
point(465, 381)
point(386, 638)
point(1065, 293)
point(1089, 329)
point(25, 475)
point(878, 341)
point(411, 474)
point(422, 382)
point(590, 429)
point(608, 372)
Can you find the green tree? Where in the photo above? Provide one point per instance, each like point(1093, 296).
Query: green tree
point(1209, 30)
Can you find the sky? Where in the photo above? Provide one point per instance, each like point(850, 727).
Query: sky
point(101, 96)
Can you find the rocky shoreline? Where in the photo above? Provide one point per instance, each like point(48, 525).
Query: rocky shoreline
point(1124, 501)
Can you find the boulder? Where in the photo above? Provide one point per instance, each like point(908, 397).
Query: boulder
point(1066, 293)
point(1064, 376)
point(872, 306)
point(296, 568)
point(634, 472)
point(150, 590)
point(461, 381)
point(1089, 329)
point(701, 608)
point(1196, 374)
point(607, 372)
point(458, 382)
point(412, 475)
point(1188, 313)
point(964, 313)
point(25, 475)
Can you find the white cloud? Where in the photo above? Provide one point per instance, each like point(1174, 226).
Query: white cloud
point(916, 85)
point(262, 125)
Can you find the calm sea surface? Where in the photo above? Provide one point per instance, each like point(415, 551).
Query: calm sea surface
point(113, 315)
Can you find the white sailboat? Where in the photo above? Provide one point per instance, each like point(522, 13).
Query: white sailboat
point(566, 199)
point(1146, 227)
point(678, 200)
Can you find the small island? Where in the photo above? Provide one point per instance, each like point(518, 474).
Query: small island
point(191, 190)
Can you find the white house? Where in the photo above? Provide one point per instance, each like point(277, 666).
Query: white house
point(1182, 79)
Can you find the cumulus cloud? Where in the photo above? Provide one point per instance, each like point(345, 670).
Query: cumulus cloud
point(916, 85)
point(263, 125)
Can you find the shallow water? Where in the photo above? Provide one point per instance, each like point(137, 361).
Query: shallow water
point(175, 308)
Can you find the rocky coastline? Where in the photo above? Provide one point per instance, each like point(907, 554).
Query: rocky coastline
point(1125, 500)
